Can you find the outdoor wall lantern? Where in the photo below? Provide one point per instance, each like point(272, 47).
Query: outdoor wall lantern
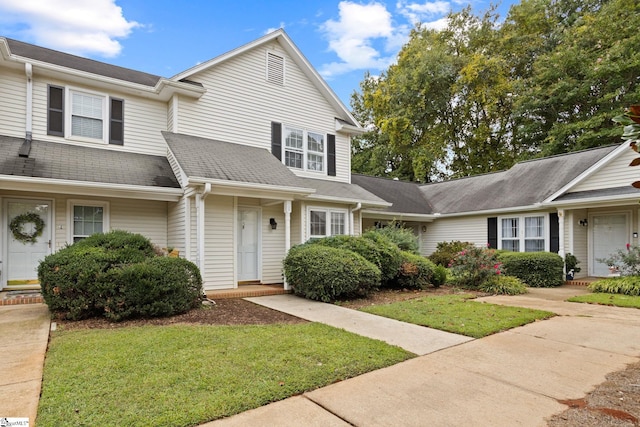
point(273, 223)
point(583, 222)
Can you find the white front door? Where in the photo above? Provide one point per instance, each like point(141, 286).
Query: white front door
point(248, 244)
point(25, 246)
point(610, 233)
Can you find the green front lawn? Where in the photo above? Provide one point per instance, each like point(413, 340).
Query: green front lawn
point(459, 314)
point(187, 375)
point(618, 300)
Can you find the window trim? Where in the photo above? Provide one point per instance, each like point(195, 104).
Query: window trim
point(71, 203)
point(328, 226)
point(69, 91)
point(305, 149)
point(522, 229)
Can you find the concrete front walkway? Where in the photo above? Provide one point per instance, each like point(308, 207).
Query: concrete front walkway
point(507, 379)
point(24, 334)
point(413, 338)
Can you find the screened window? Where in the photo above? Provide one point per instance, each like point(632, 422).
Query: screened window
point(304, 150)
point(325, 222)
point(87, 115)
point(523, 234)
point(87, 220)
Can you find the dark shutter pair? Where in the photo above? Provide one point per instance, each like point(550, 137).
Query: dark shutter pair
point(276, 147)
point(55, 116)
point(554, 232)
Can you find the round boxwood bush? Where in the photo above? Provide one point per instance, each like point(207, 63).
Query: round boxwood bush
point(80, 280)
point(377, 250)
point(416, 272)
point(401, 236)
point(325, 274)
point(159, 286)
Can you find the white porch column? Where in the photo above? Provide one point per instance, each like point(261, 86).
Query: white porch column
point(187, 227)
point(287, 233)
point(561, 218)
point(200, 229)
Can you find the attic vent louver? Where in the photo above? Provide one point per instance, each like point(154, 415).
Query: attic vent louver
point(275, 69)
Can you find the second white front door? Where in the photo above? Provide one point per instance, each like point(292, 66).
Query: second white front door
point(248, 244)
point(610, 233)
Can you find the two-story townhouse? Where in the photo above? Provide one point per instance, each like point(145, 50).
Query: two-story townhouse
point(230, 162)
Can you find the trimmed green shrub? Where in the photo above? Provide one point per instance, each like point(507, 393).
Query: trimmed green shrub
point(535, 269)
point(503, 285)
point(325, 274)
point(446, 251)
point(81, 280)
point(440, 274)
point(626, 285)
point(376, 249)
point(156, 287)
point(403, 237)
point(416, 272)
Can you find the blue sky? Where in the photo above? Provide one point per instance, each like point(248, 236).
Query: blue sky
point(341, 39)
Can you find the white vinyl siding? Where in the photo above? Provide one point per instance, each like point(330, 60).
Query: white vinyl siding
point(240, 105)
point(219, 256)
point(144, 119)
point(146, 217)
point(466, 229)
point(297, 213)
point(176, 223)
point(616, 173)
point(13, 95)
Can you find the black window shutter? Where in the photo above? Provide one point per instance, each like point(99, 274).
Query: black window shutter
point(554, 232)
point(116, 121)
point(276, 140)
point(492, 232)
point(55, 111)
point(331, 155)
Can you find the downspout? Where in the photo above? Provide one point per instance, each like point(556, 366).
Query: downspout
point(200, 197)
point(352, 218)
point(25, 149)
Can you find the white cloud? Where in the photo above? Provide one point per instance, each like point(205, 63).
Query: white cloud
point(272, 29)
point(353, 35)
point(368, 36)
point(76, 26)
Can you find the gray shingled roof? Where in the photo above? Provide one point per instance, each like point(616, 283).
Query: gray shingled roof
point(343, 190)
point(71, 162)
point(207, 158)
point(525, 184)
point(78, 63)
point(405, 196)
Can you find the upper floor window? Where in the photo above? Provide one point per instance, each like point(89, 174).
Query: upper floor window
point(522, 234)
point(85, 115)
point(304, 150)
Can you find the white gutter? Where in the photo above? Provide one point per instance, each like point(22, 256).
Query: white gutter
point(369, 203)
point(200, 197)
point(50, 185)
point(29, 113)
point(248, 185)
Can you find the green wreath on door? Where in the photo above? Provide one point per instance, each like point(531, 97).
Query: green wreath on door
point(17, 227)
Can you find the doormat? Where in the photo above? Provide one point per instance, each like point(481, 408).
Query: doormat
point(20, 297)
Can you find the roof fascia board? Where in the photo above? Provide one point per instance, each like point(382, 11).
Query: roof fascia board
point(591, 201)
point(372, 213)
point(587, 173)
point(83, 188)
point(530, 208)
point(294, 52)
point(349, 129)
point(236, 186)
point(368, 203)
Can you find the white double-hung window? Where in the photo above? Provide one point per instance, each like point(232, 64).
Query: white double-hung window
point(87, 218)
point(304, 150)
point(522, 234)
point(327, 222)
